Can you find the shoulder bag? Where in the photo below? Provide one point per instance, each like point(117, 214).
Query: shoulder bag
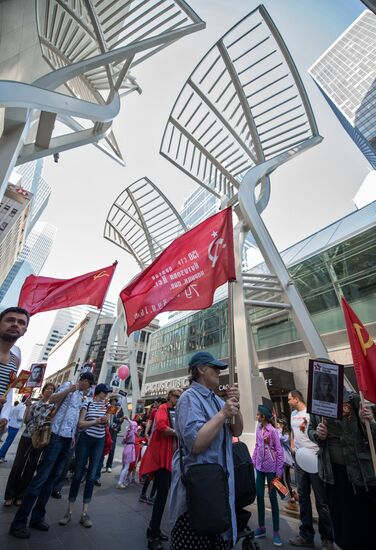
point(41, 436)
point(208, 496)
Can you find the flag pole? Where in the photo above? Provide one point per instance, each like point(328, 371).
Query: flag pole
point(231, 340)
point(105, 296)
point(101, 309)
point(369, 434)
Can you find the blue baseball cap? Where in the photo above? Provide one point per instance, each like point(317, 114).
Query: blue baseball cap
point(202, 358)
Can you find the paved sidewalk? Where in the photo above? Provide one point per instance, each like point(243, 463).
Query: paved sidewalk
point(120, 521)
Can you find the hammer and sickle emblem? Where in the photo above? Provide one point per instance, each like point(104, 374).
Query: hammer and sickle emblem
point(364, 345)
point(216, 244)
point(101, 274)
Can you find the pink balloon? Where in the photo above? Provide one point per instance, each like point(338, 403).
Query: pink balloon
point(123, 372)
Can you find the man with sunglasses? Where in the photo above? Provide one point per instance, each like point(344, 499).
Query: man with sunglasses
point(158, 461)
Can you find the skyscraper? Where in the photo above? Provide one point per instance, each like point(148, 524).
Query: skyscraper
point(346, 75)
point(66, 319)
point(30, 262)
point(14, 212)
point(32, 180)
point(39, 239)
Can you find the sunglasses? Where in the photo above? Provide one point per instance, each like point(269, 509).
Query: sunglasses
point(176, 395)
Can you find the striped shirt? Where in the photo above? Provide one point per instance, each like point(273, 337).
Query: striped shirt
point(94, 410)
point(5, 372)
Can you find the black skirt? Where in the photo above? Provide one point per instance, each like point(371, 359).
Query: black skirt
point(184, 538)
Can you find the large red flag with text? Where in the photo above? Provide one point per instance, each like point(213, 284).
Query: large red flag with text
point(363, 350)
point(45, 294)
point(185, 275)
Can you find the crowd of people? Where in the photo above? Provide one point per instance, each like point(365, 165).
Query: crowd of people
point(166, 447)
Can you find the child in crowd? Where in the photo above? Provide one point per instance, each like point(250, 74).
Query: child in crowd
point(284, 437)
point(140, 441)
point(268, 460)
point(129, 452)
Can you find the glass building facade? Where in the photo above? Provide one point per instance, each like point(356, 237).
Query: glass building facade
point(173, 345)
point(339, 260)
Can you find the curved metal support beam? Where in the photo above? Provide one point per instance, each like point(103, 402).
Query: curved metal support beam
point(11, 144)
point(17, 94)
point(107, 143)
point(143, 221)
point(63, 143)
point(56, 78)
point(243, 103)
point(249, 377)
point(247, 203)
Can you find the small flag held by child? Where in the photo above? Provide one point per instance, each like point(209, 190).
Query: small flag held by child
point(282, 489)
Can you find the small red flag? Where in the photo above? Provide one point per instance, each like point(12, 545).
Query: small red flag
point(45, 294)
point(363, 350)
point(185, 275)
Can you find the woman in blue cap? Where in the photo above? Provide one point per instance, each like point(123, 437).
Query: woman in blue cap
point(268, 460)
point(200, 419)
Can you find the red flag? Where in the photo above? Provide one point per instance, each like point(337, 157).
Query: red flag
point(45, 294)
point(363, 350)
point(185, 275)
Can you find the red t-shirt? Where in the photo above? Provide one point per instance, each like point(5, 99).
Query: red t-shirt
point(161, 447)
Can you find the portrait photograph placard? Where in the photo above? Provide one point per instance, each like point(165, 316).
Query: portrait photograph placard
point(21, 380)
point(325, 388)
point(37, 371)
point(115, 381)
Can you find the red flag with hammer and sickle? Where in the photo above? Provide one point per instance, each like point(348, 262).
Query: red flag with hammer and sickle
point(363, 350)
point(45, 294)
point(185, 275)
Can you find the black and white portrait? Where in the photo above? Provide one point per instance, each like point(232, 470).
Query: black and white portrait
point(115, 381)
point(37, 375)
point(325, 388)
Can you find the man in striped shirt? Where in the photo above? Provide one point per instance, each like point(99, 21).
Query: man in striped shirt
point(13, 325)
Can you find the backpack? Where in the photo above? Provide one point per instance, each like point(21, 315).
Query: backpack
point(244, 476)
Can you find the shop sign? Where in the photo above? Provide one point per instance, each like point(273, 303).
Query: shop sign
point(163, 386)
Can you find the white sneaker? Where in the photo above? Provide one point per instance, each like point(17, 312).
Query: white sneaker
point(108, 470)
point(120, 486)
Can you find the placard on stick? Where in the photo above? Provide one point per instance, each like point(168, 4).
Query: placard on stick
point(21, 380)
point(37, 371)
point(325, 388)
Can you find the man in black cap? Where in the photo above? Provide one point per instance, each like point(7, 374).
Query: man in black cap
point(63, 427)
